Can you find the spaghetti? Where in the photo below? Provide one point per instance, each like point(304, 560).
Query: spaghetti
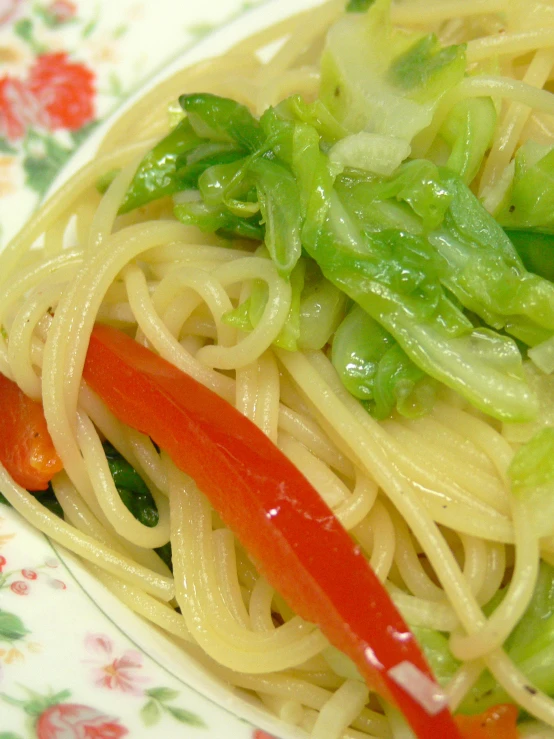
point(428, 499)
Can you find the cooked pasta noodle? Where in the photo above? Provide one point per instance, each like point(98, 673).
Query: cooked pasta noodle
point(428, 500)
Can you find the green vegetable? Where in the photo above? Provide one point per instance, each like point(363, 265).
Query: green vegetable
point(316, 309)
point(533, 463)
point(536, 251)
point(531, 203)
point(358, 6)
point(131, 487)
point(532, 474)
point(222, 119)
point(156, 176)
point(380, 80)
point(469, 130)
point(413, 250)
point(374, 368)
point(484, 271)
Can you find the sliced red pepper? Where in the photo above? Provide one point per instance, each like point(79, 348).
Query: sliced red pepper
point(498, 722)
point(26, 449)
point(277, 515)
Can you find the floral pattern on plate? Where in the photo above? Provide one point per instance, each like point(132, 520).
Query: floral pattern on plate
point(66, 65)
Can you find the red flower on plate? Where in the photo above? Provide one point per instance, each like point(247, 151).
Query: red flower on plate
point(18, 108)
point(19, 587)
point(64, 91)
point(29, 574)
point(259, 734)
point(75, 721)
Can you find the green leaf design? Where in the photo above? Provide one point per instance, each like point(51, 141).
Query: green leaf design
point(9, 735)
point(11, 627)
point(6, 148)
point(150, 713)
point(162, 694)
point(40, 169)
point(185, 717)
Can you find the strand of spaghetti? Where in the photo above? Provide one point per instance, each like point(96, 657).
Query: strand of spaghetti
point(512, 44)
point(377, 535)
point(33, 310)
point(340, 710)
point(127, 441)
point(79, 515)
point(270, 324)
point(461, 683)
point(495, 631)
point(473, 517)
point(409, 565)
point(354, 510)
point(115, 511)
point(266, 414)
point(483, 86)
point(330, 487)
point(299, 39)
point(66, 346)
point(81, 544)
point(482, 485)
point(309, 695)
point(425, 613)
point(61, 200)
point(58, 268)
point(259, 608)
point(307, 431)
point(509, 131)
point(206, 616)
point(225, 563)
point(495, 572)
point(143, 604)
point(167, 346)
point(475, 563)
point(422, 13)
point(527, 697)
point(209, 290)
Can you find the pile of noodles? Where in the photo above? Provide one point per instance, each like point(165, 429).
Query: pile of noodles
point(428, 500)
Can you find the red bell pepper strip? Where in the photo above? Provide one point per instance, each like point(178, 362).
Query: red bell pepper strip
point(498, 722)
point(278, 516)
point(26, 449)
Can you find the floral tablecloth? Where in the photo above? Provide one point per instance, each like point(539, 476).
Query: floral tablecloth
point(74, 664)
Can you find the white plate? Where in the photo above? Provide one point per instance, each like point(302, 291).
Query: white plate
point(71, 655)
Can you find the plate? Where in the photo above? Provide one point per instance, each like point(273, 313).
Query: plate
point(75, 662)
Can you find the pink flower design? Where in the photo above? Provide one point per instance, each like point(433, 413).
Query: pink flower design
point(19, 108)
point(58, 584)
point(8, 9)
point(118, 673)
point(2, 562)
point(19, 587)
point(29, 574)
point(62, 10)
point(75, 721)
point(259, 734)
